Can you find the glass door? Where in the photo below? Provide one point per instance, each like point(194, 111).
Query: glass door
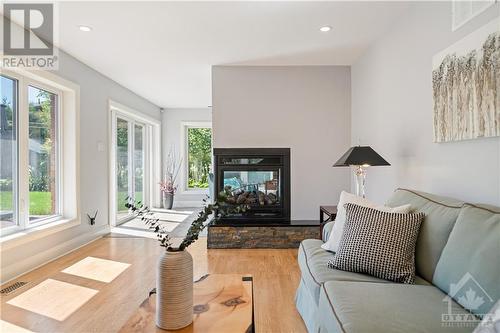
point(122, 167)
point(138, 176)
point(129, 169)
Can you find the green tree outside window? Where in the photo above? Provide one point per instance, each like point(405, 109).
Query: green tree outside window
point(199, 156)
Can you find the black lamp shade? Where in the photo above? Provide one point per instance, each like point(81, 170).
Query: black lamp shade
point(361, 156)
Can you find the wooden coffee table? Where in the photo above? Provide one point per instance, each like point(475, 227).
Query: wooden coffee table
point(222, 303)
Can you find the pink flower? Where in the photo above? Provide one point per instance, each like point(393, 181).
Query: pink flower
point(168, 187)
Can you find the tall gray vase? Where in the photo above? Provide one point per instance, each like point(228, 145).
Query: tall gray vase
point(174, 290)
point(168, 200)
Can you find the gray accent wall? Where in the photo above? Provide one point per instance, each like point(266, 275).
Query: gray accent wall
point(95, 92)
point(392, 112)
point(305, 108)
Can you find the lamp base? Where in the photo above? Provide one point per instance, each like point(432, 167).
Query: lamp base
point(360, 173)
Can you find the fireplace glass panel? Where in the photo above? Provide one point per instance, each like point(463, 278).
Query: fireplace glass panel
point(255, 188)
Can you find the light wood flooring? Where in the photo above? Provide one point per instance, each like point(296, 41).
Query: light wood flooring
point(276, 277)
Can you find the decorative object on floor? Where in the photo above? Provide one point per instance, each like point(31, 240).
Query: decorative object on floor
point(223, 302)
point(92, 219)
point(168, 190)
point(361, 157)
point(466, 87)
point(332, 244)
point(174, 283)
point(168, 186)
point(378, 243)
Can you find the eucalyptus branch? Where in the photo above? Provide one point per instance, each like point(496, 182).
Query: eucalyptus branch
point(151, 222)
point(218, 209)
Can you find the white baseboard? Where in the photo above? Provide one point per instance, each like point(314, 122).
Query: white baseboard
point(31, 263)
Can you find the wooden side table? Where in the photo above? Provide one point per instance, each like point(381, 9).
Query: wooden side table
point(330, 212)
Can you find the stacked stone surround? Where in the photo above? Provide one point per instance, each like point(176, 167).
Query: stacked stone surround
point(255, 237)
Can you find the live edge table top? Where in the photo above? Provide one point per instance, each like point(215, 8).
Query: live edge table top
point(222, 303)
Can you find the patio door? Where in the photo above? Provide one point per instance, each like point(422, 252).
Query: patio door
point(130, 171)
point(134, 162)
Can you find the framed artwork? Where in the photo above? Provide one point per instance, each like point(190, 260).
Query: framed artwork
point(466, 87)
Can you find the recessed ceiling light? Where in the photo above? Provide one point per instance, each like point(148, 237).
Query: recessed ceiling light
point(326, 28)
point(84, 28)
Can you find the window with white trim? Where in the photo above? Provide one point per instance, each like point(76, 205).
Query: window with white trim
point(198, 143)
point(30, 153)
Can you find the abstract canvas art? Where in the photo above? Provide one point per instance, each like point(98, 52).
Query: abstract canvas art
point(466, 87)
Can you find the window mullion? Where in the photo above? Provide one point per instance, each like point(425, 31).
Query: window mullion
point(146, 166)
point(131, 166)
point(23, 170)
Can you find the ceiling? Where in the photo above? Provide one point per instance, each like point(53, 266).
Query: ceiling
point(164, 51)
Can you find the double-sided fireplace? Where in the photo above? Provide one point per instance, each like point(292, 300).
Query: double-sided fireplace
point(258, 177)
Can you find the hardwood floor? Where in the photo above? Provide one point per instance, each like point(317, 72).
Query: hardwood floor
point(276, 277)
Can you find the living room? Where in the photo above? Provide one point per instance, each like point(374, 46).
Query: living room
point(260, 166)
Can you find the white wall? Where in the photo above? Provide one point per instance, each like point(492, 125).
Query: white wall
point(95, 91)
point(173, 120)
point(392, 112)
point(306, 108)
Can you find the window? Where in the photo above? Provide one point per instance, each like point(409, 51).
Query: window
point(30, 152)
point(8, 153)
point(465, 10)
point(42, 150)
point(199, 157)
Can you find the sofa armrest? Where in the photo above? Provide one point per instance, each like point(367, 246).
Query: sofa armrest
point(327, 229)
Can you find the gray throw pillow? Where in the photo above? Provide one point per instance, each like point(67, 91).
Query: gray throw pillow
point(378, 243)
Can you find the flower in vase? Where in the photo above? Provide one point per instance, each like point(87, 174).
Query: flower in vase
point(168, 187)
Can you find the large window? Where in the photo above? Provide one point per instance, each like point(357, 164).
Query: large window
point(42, 158)
point(8, 153)
point(29, 172)
point(199, 157)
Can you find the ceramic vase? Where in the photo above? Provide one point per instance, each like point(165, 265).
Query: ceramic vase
point(174, 290)
point(168, 200)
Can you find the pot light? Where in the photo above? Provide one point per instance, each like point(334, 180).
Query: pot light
point(326, 28)
point(84, 28)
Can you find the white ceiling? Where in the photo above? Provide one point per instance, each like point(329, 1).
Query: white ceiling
point(164, 51)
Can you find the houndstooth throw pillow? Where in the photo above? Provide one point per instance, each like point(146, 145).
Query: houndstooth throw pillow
point(378, 243)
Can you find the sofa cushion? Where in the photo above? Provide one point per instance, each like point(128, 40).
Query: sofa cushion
point(356, 307)
point(313, 262)
point(440, 216)
point(313, 266)
point(470, 258)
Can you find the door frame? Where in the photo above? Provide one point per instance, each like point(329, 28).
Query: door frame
point(152, 155)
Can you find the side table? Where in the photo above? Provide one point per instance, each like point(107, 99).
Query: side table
point(330, 212)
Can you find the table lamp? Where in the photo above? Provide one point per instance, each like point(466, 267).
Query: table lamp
point(360, 157)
